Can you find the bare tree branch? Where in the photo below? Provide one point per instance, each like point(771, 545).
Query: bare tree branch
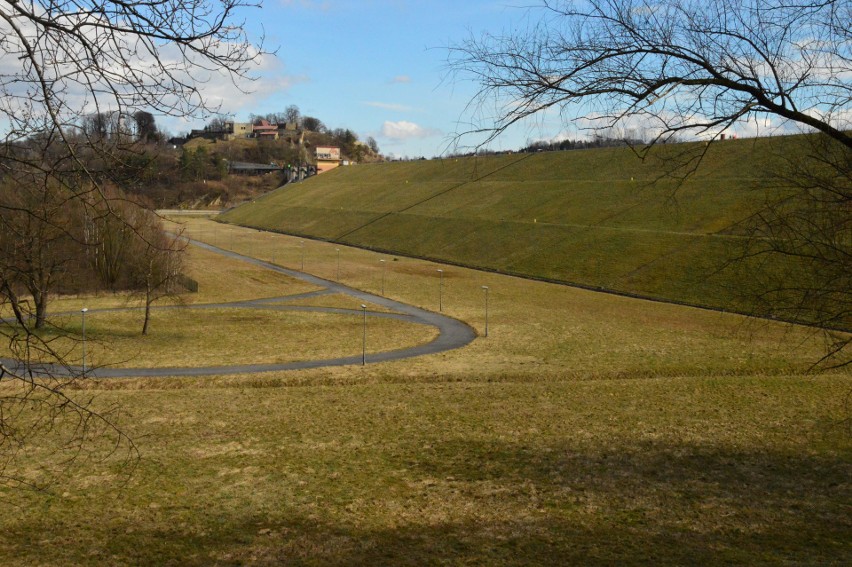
point(696, 68)
point(76, 77)
point(684, 66)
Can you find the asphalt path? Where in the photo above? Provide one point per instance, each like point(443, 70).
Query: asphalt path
point(452, 333)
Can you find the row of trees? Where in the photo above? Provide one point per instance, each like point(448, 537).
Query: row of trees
point(140, 126)
point(568, 144)
point(292, 115)
point(74, 79)
point(51, 245)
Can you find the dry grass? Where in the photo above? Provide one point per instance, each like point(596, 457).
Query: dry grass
point(338, 300)
point(716, 471)
point(586, 429)
point(214, 337)
point(540, 329)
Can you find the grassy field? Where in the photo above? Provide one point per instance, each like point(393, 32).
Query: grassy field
point(586, 428)
point(214, 337)
point(182, 336)
point(600, 218)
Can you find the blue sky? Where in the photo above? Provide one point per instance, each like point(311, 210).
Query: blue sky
point(376, 67)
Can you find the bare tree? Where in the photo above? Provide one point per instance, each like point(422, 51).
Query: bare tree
point(217, 124)
point(293, 115)
point(694, 68)
point(40, 236)
point(146, 126)
point(674, 66)
point(796, 263)
point(155, 268)
point(34, 247)
point(373, 145)
point(312, 124)
point(65, 60)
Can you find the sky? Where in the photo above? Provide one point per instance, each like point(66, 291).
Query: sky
point(376, 67)
point(379, 68)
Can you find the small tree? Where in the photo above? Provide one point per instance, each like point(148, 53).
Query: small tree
point(146, 127)
point(312, 124)
point(158, 268)
point(373, 144)
point(292, 114)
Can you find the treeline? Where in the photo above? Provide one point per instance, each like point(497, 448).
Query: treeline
point(596, 142)
point(140, 126)
point(63, 232)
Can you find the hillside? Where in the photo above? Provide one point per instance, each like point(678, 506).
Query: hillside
point(597, 218)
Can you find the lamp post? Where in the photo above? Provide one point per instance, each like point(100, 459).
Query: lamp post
point(485, 289)
point(364, 337)
point(338, 263)
point(302, 245)
point(83, 314)
point(441, 290)
point(383, 276)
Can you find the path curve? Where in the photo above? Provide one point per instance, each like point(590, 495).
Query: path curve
point(452, 333)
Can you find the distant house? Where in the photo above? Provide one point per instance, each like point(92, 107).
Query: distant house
point(328, 157)
point(265, 131)
point(238, 130)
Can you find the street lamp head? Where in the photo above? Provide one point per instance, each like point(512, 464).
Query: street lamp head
point(440, 271)
point(363, 306)
point(84, 309)
point(485, 287)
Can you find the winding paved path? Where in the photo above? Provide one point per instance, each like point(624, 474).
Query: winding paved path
point(452, 333)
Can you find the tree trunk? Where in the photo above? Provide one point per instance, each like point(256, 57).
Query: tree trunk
point(40, 301)
point(13, 301)
point(148, 300)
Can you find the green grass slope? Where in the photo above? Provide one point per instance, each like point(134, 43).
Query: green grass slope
point(599, 218)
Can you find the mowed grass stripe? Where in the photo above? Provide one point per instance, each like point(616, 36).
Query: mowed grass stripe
point(596, 218)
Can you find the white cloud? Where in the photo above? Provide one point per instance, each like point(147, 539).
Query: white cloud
point(400, 80)
point(404, 130)
point(165, 77)
point(389, 106)
point(220, 91)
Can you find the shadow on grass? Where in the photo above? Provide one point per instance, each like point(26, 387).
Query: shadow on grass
point(502, 503)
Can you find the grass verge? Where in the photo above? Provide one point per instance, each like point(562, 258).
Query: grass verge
point(585, 429)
